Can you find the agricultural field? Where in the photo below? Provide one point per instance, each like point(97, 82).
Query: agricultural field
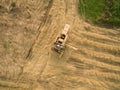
point(28, 30)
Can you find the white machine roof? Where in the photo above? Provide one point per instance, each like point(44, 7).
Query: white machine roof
point(66, 28)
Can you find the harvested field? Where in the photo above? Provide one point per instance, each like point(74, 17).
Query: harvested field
point(91, 60)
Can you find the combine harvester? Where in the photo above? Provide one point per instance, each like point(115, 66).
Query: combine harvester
point(59, 45)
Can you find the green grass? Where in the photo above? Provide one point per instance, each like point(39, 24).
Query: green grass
point(91, 8)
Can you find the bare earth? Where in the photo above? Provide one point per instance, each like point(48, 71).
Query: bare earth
point(91, 60)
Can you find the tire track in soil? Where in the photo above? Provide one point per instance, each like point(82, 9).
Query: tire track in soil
point(31, 50)
point(69, 19)
point(42, 24)
point(34, 69)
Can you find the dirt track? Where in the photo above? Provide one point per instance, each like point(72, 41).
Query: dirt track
point(49, 31)
point(94, 65)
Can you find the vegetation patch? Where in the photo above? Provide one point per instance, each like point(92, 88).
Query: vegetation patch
point(100, 11)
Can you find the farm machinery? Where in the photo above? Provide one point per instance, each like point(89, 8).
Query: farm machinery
point(59, 44)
